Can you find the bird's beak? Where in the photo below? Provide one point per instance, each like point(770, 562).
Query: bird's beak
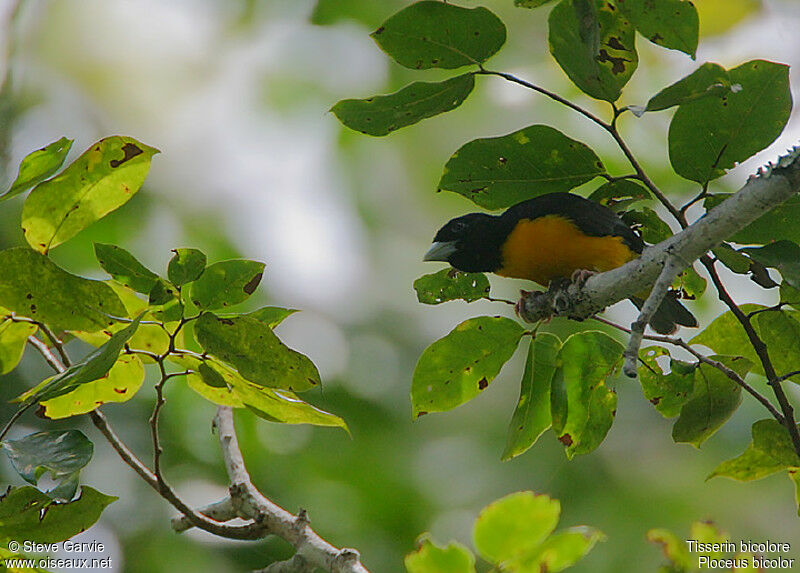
point(440, 251)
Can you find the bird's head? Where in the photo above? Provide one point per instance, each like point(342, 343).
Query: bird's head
point(470, 243)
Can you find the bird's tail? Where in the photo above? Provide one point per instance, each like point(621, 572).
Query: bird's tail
point(669, 314)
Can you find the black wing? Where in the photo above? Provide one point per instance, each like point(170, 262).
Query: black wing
point(592, 218)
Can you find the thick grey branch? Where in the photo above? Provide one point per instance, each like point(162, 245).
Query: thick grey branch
point(311, 550)
point(758, 196)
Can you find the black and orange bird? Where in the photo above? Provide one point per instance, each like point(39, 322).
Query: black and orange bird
point(549, 237)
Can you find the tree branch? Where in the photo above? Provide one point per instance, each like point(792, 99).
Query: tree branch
point(579, 301)
point(311, 550)
point(649, 308)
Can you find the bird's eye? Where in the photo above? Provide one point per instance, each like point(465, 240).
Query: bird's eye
point(458, 226)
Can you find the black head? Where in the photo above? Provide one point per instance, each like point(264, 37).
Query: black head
point(470, 243)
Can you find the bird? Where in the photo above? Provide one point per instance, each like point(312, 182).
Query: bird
point(548, 237)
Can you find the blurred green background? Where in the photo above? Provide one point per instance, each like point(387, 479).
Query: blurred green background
point(236, 95)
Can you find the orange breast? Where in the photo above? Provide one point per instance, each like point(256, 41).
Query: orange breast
point(551, 247)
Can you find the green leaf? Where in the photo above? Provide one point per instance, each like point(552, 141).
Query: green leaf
point(62, 454)
point(149, 337)
point(226, 283)
point(430, 558)
point(595, 46)
point(165, 301)
point(456, 368)
point(708, 80)
point(781, 255)
point(27, 513)
point(283, 406)
point(752, 464)
point(94, 366)
point(186, 266)
point(497, 172)
point(668, 392)
point(531, 3)
point(795, 477)
point(515, 525)
point(689, 283)
point(675, 549)
point(383, 114)
point(734, 260)
point(34, 286)
point(124, 267)
point(560, 551)
point(272, 316)
point(38, 166)
point(790, 296)
point(104, 178)
point(255, 351)
point(714, 400)
point(670, 23)
point(651, 226)
point(581, 404)
point(450, 284)
point(13, 338)
point(206, 379)
point(772, 438)
point(437, 35)
point(120, 384)
point(711, 135)
point(780, 330)
point(612, 192)
point(532, 416)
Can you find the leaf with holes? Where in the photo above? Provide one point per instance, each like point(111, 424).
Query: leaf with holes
point(669, 23)
point(38, 166)
point(34, 286)
point(255, 351)
point(532, 415)
point(383, 114)
point(93, 367)
point(450, 284)
point(497, 172)
point(709, 136)
point(456, 368)
point(668, 392)
point(120, 384)
point(104, 178)
point(431, 34)
point(582, 406)
point(226, 283)
point(595, 45)
point(61, 454)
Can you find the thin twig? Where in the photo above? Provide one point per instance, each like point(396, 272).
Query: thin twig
point(611, 128)
point(648, 310)
point(732, 374)
point(761, 351)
